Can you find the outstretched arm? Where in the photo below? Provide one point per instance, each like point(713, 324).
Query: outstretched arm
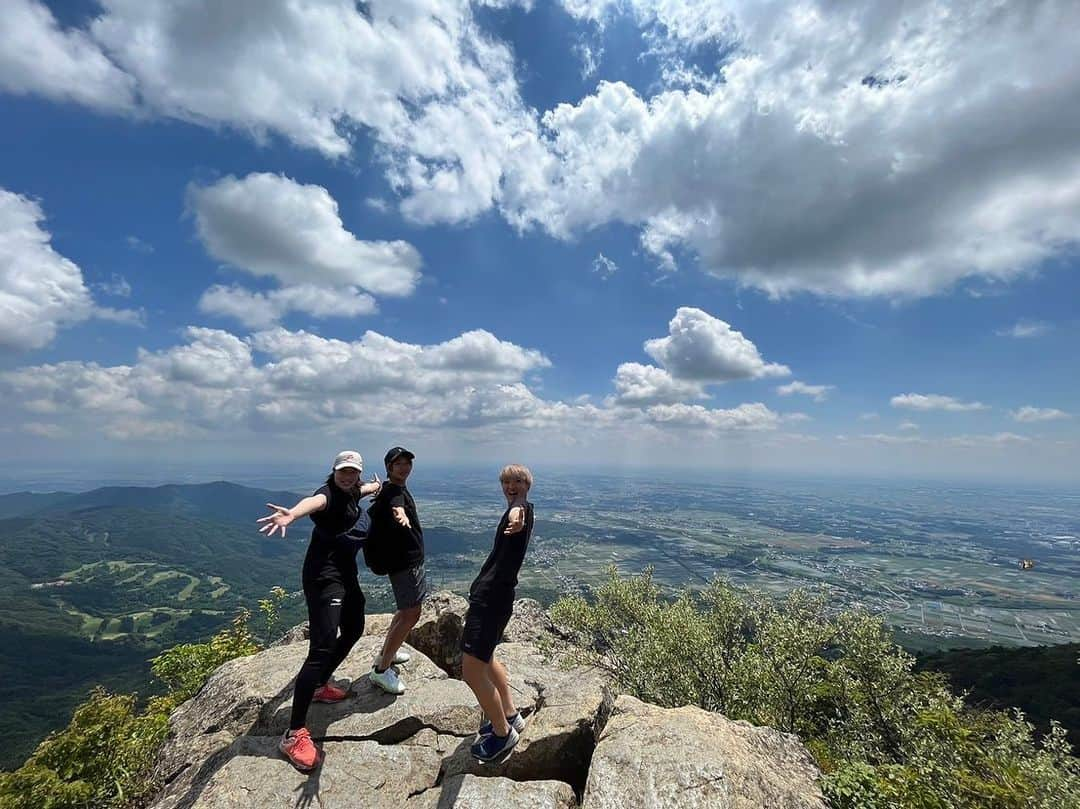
point(516, 520)
point(283, 517)
point(371, 487)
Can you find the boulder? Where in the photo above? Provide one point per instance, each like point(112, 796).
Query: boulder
point(687, 757)
point(471, 792)
point(564, 710)
point(529, 624)
point(354, 775)
point(438, 632)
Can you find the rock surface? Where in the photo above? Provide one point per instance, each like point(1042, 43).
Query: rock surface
point(580, 741)
point(688, 757)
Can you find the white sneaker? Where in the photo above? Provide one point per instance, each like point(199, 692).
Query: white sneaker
point(388, 681)
point(400, 658)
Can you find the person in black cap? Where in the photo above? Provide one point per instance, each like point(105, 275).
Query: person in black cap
point(395, 530)
point(332, 591)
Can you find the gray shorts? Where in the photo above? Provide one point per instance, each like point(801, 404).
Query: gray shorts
point(410, 586)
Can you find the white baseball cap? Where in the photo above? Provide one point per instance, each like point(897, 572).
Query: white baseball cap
point(349, 459)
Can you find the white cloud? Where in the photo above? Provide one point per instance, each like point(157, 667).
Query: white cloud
point(934, 401)
point(989, 440)
point(639, 385)
point(45, 430)
point(868, 417)
point(258, 310)
point(913, 171)
point(117, 286)
point(907, 426)
point(604, 266)
point(139, 246)
point(37, 57)
point(40, 290)
point(1025, 328)
point(702, 348)
point(818, 392)
point(1031, 414)
point(753, 416)
point(270, 225)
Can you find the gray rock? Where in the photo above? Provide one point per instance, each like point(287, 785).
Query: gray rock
point(563, 710)
point(298, 634)
point(529, 623)
point(226, 707)
point(687, 757)
point(354, 775)
point(471, 792)
point(431, 700)
point(438, 632)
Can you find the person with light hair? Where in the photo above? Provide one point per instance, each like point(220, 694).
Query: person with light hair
point(491, 602)
point(335, 601)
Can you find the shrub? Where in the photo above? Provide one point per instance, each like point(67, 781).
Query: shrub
point(884, 736)
point(104, 757)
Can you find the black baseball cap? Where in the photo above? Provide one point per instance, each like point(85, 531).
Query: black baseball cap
point(394, 453)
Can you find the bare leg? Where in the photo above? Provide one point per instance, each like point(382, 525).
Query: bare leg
point(477, 675)
point(400, 626)
point(502, 685)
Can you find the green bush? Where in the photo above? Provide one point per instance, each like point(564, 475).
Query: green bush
point(185, 668)
point(884, 736)
point(104, 757)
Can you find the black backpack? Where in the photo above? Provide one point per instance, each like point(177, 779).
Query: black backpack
point(376, 543)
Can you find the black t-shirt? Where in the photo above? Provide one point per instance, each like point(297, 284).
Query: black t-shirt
point(331, 557)
point(494, 586)
point(400, 547)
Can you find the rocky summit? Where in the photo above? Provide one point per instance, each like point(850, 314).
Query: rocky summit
point(584, 744)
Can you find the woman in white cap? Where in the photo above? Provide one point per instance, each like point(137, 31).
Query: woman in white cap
point(331, 589)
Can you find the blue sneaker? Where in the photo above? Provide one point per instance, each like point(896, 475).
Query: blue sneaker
point(517, 722)
point(492, 747)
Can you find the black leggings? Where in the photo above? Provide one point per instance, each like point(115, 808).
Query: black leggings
point(330, 607)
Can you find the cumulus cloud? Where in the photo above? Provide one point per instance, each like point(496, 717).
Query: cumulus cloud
point(36, 56)
point(704, 349)
point(912, 171)
point(934, 401)
point(753, 416)
point(259, 310)
point(40, 290)
point(221, 386)
point(272, 226)
point(1031, 414)
point(1025, 328)
point(818, 392)
point(639, 385)
point(438, 95)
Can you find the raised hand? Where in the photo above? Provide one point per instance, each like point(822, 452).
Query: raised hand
point(516, 521)
point(279, 519)
point(401, 518)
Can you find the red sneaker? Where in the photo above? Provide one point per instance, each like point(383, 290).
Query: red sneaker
point(300, 750)
point(329, 693)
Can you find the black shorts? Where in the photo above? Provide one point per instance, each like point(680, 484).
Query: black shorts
point(483, 630)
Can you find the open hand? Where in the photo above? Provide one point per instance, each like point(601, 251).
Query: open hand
point(279, 519)
point(401, 518)
point(516, 521)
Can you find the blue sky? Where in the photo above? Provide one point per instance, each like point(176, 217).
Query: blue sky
point(726, 236)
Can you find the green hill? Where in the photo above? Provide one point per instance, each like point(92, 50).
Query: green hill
point(93, 585)
point(1043, 681)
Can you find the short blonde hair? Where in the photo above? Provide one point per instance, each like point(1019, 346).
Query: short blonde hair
point(516, 471)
